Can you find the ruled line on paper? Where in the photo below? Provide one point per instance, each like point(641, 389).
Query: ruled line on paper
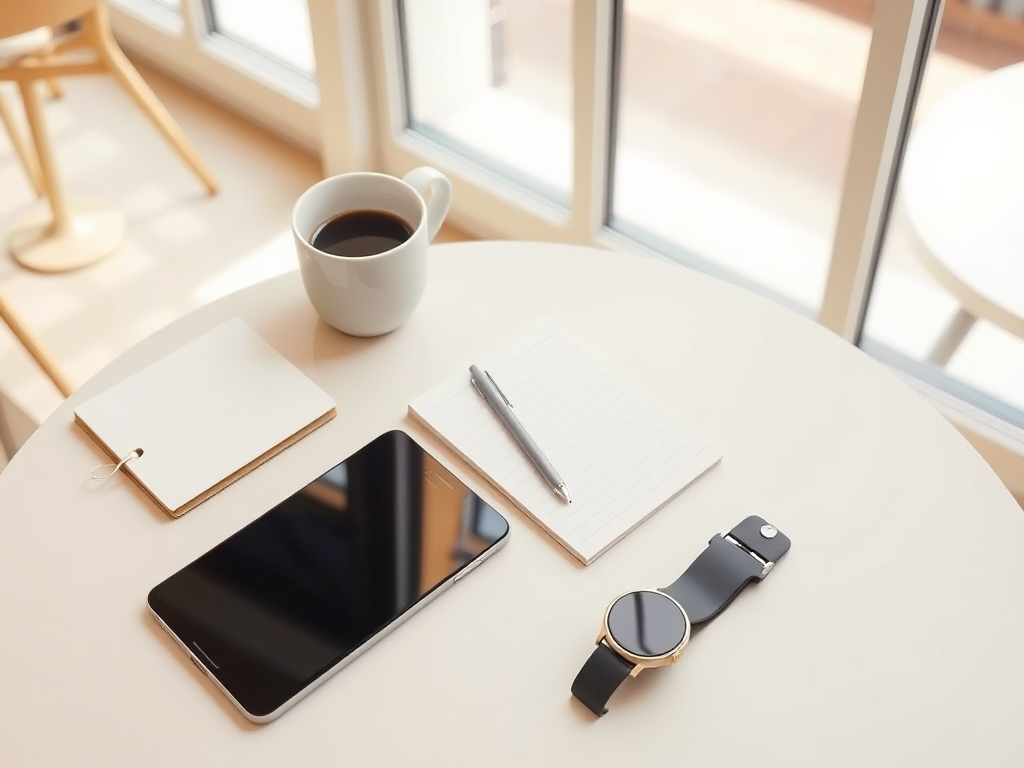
point(621, 454)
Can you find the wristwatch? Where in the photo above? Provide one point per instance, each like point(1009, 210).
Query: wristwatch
point(649, 628)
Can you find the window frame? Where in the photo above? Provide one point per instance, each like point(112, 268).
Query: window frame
point(315, 116)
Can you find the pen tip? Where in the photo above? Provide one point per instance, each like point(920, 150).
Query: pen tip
point(562, 491)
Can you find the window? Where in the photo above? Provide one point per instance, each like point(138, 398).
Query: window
point(491, 81)
point(255, 56)
point(733, 127)
point(278, 29)
point(759, 140)
point(948, 299)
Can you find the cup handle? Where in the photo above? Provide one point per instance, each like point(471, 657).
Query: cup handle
point(436, 190)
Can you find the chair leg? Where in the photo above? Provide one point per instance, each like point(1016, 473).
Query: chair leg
point(98, 26)
point(48, 170)
point(951, 338)
point(7, 446)
point(72, 236)
point(35, 349)
point(22, 149)
point(53, 84)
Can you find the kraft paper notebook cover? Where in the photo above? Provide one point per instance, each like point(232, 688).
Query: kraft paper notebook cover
point(204, 415)
point(622, 455)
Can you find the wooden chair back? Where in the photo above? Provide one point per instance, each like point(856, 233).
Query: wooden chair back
point(18, 16)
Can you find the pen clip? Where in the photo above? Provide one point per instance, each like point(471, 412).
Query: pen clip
point(488, 375)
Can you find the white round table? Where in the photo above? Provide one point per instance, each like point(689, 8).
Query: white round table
point(889, 635)
point(962, 187)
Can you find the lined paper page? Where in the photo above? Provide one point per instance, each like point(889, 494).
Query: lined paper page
point(621, 455)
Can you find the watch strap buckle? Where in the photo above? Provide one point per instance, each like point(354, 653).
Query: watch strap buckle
point(761, 539)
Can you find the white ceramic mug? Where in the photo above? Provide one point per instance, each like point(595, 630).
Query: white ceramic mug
point(370, 295)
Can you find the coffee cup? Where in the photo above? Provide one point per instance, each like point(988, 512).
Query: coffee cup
point(361, 240)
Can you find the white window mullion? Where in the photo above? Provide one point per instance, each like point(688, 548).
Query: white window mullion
point(900, 42)
point(349, 130)
point(387, 61)
point(193, 20)
point(592, 77)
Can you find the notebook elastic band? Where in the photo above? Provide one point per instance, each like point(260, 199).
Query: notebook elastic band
point(133, 455)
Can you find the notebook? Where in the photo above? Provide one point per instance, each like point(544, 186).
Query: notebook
point(621, 454)
point(204, 415)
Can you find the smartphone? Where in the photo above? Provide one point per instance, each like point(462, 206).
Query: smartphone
point(274, 610)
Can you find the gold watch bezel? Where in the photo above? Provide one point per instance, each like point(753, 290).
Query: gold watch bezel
point(641, 663)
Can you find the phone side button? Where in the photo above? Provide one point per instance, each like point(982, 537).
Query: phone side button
point(198, 665)
point(469, 569)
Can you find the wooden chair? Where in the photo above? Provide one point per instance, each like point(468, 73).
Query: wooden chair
point(68, 235)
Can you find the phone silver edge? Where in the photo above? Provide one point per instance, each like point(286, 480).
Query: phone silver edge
point(465, 570)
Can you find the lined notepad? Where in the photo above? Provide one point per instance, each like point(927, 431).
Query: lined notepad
point(204, 415)
point(622, 455)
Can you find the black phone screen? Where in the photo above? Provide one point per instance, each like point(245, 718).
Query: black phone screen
point(288, 597)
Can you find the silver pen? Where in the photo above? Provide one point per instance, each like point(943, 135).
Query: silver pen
point(488, 389)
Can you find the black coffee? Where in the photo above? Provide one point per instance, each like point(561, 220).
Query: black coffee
point(360, 233)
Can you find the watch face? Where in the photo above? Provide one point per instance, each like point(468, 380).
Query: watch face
point(647, 623)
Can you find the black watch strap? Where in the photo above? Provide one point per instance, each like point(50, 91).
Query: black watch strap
point(601, 675)
point(747, 553)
